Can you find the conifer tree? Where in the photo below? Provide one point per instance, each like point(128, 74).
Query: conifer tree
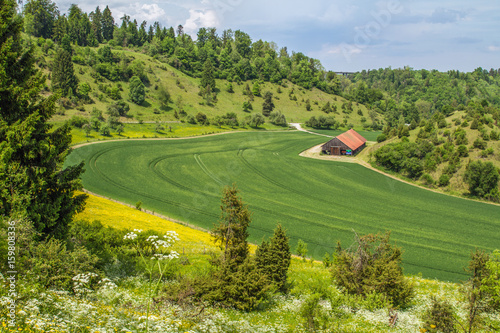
point(96, 18)
point(231, 233)
point(274, 258)
point(33, 182)
point(207, 77)
point(108, 24)
point(64, 80)
point(268, 104)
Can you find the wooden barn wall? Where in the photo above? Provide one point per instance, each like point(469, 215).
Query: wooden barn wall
point(334, 143)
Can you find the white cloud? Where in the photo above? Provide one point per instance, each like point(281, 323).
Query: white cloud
point(200, 18)
point(151, 12)
point(493, 48)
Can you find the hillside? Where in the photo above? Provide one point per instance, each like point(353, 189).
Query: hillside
point(437, 152)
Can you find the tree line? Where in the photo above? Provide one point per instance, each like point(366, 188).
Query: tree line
point(233, 54)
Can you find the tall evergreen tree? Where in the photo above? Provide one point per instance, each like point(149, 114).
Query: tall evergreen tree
point(43, 16)
point(231, 233)
point(108, 24)
point(33, 182)
point(60, 29)
point(64, 80)
point(273, 258)
point(96, 18)
point(207, 77)
point(267, 105)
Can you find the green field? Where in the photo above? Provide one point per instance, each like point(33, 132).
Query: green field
point(318, 201)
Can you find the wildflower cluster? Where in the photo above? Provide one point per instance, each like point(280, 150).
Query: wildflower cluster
point(82, 283)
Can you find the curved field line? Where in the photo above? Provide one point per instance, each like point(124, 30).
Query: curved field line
point(144, 194)
point(204, 168)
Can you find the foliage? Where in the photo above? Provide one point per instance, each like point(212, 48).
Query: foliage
point(267, 105)
point(277, 118)
point(231, 232)
point(274, 258)
point(482, 179)
point(34, 182)
point(64, 80)
point(301, 249)
point(439, 317)
point(372, 264)
point(137, 91)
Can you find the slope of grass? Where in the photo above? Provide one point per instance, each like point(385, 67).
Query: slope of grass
point(317, 201)
point(289, 98)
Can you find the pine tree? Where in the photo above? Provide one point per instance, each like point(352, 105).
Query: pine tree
point(33, 182)
point(274, 258)
point(267, 105)
point(44, 14)
point(108, 24)
point(231, 233)
point(96, 18)
point(64, 80)
point(207, 77)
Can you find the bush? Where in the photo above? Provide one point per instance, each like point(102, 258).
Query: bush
point(444, 180)
point(78, 121)
point(373, 265)
point(427, 179)
point(439, 317)
point(381, 138)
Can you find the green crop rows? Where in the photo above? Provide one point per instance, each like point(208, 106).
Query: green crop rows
point(317, 201)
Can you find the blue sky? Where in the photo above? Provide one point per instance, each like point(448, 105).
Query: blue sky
point(343, 35)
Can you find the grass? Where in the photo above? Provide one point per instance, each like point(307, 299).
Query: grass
point(320, 202)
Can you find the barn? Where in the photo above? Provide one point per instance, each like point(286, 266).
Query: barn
point(347, 143)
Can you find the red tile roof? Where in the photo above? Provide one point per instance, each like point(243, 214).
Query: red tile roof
point(352, 139)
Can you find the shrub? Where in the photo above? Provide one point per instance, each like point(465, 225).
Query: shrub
point(374, 265)
point(427, 179)
point(439, 317)
point(444, 180)
point(78, 121)
point(479, 144)
point(381, 138)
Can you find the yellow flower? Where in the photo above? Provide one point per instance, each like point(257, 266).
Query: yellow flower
point(433, 326)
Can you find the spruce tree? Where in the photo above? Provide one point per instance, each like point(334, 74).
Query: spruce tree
point(108, 24)
point(64, 80)
point(207, 77)
point(231, 233)
point(33, 182)
point(274, 258)
point(268, 104)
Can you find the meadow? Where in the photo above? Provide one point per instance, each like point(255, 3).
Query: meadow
point(320, 202)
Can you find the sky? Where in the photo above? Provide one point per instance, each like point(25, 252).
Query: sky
point(346, 36)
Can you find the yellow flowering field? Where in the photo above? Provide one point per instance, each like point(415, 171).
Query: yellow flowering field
point(119, 216)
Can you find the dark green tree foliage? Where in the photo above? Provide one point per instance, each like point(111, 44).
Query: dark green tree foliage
point(231, 233)
point(41, 14)
point(33, 182)
point(273, 258)
point(370, 265)
point(237, 281)
point(108, 24)
point(64, 80)
point(482, 179)
point(137, 91)
point(207, 77)
point(267, 105)
point(96, 18)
